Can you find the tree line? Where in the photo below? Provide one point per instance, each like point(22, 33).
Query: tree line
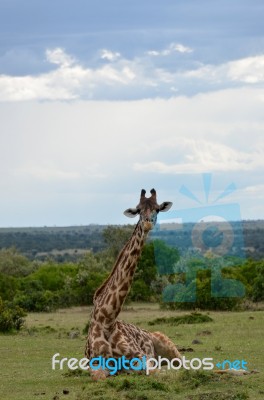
point(70, 243)
point(164, 275)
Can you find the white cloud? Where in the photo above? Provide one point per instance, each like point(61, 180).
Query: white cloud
point(153, 53)
point(249, 70)
point(172, 48)
point(180, 48)
point(255, 190)
point(46, 174)
point(128, 79)
point(58, 56)
point(49, 174)
point(70, 151)
point(56, 85)
point(109, 55)
point(204, 156)
point(68, 82)
point(111, 75)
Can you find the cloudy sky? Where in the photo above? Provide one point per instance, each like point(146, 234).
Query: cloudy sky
point(100, 99)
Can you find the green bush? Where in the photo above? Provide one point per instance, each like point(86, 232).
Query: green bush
point(37, 301)
point(11, 316)
point(258, 285)
point(146, 268)
point(85, 284)
point(193, 318)
point(166, 257)
point(52, 276)
point(251, 274)
point(140, 291)
point(13, 263)
point(8, 286)
point(47, 286)
point(201, 291)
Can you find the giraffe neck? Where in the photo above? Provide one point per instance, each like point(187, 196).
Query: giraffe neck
point(111, 295)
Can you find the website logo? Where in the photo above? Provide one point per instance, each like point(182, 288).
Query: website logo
point(211, 234)
point(114, 365)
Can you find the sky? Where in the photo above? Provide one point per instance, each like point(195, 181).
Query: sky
point(101, 99)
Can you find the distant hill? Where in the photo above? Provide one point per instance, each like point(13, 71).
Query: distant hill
point(68, 243)
point(61, 243)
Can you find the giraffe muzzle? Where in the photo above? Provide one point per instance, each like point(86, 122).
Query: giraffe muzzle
point(148, 226)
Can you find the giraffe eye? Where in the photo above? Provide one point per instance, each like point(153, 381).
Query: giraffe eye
point(153, 217)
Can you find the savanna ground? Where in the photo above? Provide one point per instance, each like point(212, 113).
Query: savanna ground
point(26, 372)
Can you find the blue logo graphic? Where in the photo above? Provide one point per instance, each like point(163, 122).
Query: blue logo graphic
point(209, 236)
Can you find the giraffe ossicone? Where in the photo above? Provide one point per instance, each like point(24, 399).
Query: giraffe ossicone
point(107, 336)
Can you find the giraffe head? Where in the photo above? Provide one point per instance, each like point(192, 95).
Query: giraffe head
point(148, 209)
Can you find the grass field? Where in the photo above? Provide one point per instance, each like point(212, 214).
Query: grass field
point(25, 358)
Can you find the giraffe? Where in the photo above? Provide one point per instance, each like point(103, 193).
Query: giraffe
point(108, 336)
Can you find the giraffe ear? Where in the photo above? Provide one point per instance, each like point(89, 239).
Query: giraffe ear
point(131, 212)
point(165, 206)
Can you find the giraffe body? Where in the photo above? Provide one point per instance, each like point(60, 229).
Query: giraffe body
point(108, 336)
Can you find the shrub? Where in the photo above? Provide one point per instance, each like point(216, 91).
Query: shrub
point(36, 301)
point(8, 286)
point(140, 291)
point(13, 263)
point(200, 289)
point(52, 276)
point(193, 318)
point(85, 285)
point(166, 257)
point(11, 316)
point(251, 274)
point(258, 286)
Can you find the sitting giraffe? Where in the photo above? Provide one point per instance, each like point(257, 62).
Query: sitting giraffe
point(107, 336)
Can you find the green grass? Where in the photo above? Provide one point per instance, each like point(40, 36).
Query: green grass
point(25, 358)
